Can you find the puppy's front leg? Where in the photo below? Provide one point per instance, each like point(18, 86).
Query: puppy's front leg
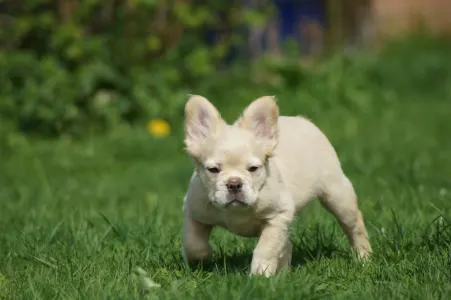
point(195, 240)
point(273, 248)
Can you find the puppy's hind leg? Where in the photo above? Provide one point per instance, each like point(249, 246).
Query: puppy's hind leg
point(340, 199)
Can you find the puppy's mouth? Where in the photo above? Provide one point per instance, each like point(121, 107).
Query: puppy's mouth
point(236, 202)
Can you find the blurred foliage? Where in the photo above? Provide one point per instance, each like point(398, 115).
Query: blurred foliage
point(70, 65)
point(73, 67)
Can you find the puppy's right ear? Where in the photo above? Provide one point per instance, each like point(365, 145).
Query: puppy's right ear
point(202, 121)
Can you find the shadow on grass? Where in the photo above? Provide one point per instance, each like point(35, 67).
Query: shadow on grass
point(303, 255)
point(240, 262)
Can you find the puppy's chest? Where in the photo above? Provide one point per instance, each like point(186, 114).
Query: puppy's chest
point(239, 223)
point(244, 224)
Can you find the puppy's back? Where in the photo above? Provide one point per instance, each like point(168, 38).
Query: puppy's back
point(305, 156)
point(299, 137)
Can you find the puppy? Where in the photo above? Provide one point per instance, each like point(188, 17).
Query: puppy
point(252, 177)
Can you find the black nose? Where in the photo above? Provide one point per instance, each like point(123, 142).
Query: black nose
point(234, 184)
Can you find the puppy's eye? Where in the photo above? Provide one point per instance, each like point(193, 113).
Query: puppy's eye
point(253, 169)
point(213, 170)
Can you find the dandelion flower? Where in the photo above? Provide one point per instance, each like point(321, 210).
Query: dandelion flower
point(158, 128)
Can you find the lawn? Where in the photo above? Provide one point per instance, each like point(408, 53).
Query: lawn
point(78, 215)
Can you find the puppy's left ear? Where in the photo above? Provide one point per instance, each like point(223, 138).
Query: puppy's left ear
point(261, 117)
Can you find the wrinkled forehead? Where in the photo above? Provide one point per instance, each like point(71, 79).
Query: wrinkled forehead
point(236, 147)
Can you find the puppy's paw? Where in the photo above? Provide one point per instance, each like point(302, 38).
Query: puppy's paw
point(362, 249)
point(285, 258)
point(194, 256)
point(264, 267)
point(363, 255)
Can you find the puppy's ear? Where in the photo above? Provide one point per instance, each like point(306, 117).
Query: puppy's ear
point(261, 118)
point(202, 121)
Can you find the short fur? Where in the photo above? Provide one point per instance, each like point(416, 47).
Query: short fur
point(282, 163)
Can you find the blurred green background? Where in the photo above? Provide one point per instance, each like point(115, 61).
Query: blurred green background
point(76, 67)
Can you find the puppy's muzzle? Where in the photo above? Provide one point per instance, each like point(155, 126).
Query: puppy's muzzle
point(234, 185)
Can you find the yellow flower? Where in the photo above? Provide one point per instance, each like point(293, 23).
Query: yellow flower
point(158, 128)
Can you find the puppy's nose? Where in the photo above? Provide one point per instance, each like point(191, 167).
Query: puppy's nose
point(234, 184)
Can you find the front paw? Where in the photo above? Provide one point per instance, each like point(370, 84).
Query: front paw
point(193, 256)
point(265, 267)
point(285, 258)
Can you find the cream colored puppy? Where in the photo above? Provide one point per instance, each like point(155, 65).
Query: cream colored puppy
point(252, 177)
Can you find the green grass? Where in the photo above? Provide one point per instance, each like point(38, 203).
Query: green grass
point(77, 216)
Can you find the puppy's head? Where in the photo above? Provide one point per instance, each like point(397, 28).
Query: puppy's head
point(231, 160)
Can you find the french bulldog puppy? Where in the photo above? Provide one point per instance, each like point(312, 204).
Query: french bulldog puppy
point(252, 177)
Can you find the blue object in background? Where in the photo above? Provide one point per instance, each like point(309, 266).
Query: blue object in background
point(292, 12)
